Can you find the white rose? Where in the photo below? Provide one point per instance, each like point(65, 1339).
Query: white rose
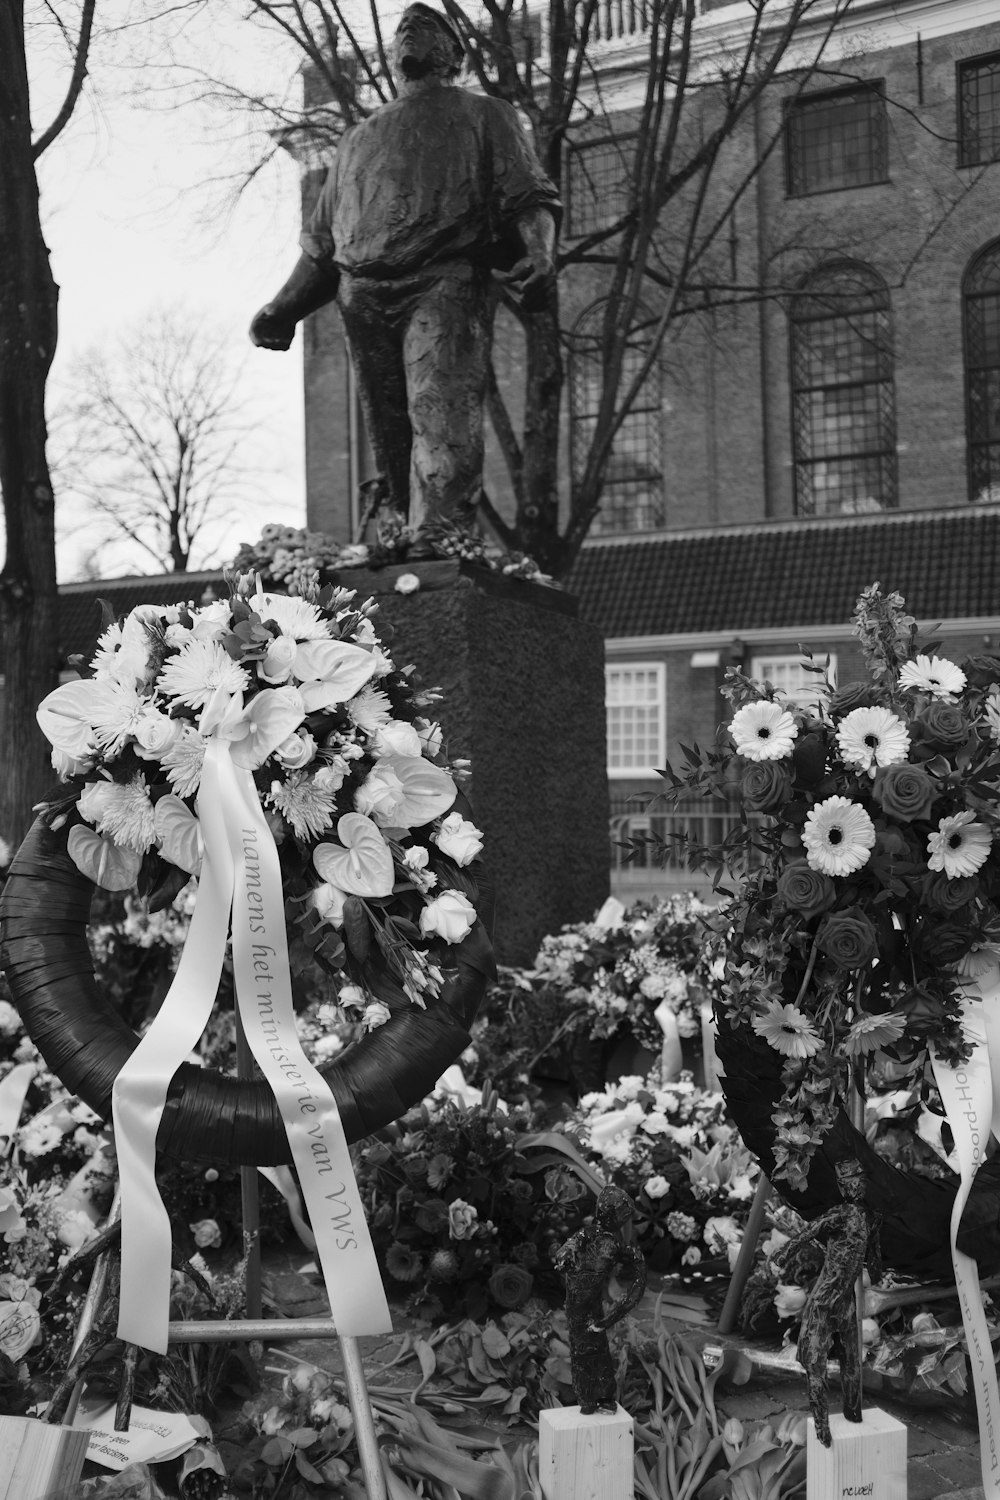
point(297, 751)
point(407, 583)
point(375, 1015)
point(416, 857)
point(459, 839)
point(211, 621)
point(381, 796)
point(154, 734)
point(279, 659)
point(656, 1187)
point(396, 738)
point(207, 1234)
point(20, 1327)
point(351, 994)
point(328, 904)
point(449, 916)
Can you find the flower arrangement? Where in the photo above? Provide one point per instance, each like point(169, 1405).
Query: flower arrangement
point(673, 1150)
point(299, 559)
point(872, 891)
point(462, 1214)
point(624, 965)
point(349, 771)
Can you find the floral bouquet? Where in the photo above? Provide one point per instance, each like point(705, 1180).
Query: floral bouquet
point(299, 559)
point(622, 967)
point(671, 1147)
point(870, 873)
point(373, 851)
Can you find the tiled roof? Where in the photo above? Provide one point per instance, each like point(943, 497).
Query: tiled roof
point(80, 614)
point(945, 563)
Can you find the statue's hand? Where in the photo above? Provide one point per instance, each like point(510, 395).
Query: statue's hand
point(529, 279)
point(272, 329)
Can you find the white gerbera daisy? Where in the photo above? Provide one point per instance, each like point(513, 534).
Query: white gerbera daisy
point(293, 616)
point(763, 731)
point(838, 836)
point(103, 659)
point(960, 845)
point(194, 674)
point(184, 760)
point(871, 737)
point(788, 1030)
point(934, 675)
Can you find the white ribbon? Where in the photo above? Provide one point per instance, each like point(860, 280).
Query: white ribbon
point(970, 1094)
point(241, 877)
point(671, 1052)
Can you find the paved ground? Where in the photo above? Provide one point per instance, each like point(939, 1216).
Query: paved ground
point(942, 1441)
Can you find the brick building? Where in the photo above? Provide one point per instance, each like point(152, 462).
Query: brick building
point(792, 449)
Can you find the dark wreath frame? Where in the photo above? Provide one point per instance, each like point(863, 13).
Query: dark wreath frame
point(209, 1116)
point(916, 1211)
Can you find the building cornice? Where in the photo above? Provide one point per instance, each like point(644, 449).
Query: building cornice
point(791, 636)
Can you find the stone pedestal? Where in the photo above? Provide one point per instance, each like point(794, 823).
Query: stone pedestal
point(523, 684)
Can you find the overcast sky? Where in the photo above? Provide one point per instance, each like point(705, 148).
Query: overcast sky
point(138, 212)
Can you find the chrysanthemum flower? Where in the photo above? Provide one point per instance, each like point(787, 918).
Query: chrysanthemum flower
point(763, 731)
point(122, 811)
point(838, 836)
point(960, 845)
point(293, 616)
point(934, 675)
point(788, 1030)
point(184, 760)
point(304, 802)
point(871, 737)
point(869, 1033)
point(369, 709)
point(195, 673)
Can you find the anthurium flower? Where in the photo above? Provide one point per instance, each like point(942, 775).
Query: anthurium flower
point(179, 834)
point(361, 864)
point(258, 728)
point(403, 791)
point(67, 715)
point(331, 672)
point(101, 861)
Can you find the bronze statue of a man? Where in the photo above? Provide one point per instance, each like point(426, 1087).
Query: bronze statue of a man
point(426, 197)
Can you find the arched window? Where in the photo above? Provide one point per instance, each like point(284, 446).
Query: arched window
point(632, 498)
point(981, 303)
point(843, 396)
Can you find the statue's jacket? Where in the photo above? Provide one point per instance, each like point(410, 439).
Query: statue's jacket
point(436, 176)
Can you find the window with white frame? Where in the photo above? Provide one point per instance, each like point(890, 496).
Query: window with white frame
point(793, 677)
point(635, 696)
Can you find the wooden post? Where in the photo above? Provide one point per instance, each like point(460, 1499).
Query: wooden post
point(866, 1460)
point(744, 1261)
point(585, 1457)
point(39, 1459)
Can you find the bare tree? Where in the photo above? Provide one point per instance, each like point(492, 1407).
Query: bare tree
point(663, 253)
point(28, 330)
point(150, 441)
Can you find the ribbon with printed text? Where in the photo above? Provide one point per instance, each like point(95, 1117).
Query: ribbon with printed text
point(240, 880)
point(970, 1094)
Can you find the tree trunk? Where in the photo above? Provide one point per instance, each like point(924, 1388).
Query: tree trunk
point(28, 325)
point(538, 512)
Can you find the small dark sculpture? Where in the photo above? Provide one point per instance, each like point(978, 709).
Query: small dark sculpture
point(850, 1234)
point(426, 198)
point(588, 1260)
